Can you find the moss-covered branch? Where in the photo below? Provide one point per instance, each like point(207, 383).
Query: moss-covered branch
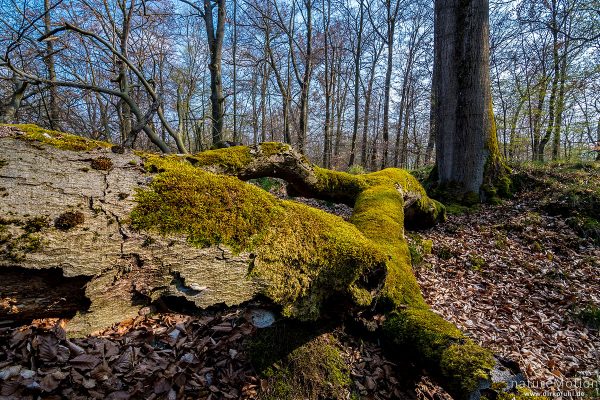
point(281, 161)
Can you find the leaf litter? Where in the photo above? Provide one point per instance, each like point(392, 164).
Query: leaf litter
point(516, 279)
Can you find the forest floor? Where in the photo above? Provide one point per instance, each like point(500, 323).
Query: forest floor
point(519, 279)
point(516, 277)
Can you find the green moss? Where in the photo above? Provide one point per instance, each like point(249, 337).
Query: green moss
point(441, 346)
point(465, 366)
point(470, 199)
point(231, 159)
point(36, 224)
point(477, 263)
point(496, 175)
point(341, 185)
point(102, 164)
point(360, 296)
point(299, 364)
point(379, 215)
point(18, 248)
point(304, 255)
point(69, 219)
point(57, 139)
point(423, 330)
point(273, 148)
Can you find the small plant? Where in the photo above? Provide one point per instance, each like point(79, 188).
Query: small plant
point(532, 218)
point(478, 263)
point(501, 242)
point(418, 248)
point(590, 316)
point(444, 253)
point(356, 170)
point(269, 184)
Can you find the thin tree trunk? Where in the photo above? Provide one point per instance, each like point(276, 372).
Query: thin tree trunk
point(54, 115)
point(215, 44)
point(554, 87)
point(305, 84)
point(236, 133)
point(10, 110)
point(357, 58)
point(560, 105)
point(326, 4)
point(513, 129)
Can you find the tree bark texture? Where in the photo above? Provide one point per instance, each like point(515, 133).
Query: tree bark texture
point(465, 130)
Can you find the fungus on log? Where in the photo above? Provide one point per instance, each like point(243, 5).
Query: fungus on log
point(188, 226)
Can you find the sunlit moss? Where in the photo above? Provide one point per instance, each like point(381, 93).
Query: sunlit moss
point(439, 344)
point(303, 255)
point(57, 139)
point(231, 159)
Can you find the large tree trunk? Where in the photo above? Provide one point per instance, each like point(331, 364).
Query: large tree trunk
point(75, 220)
point(467, 147)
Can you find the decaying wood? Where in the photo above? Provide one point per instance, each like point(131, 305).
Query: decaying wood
point(117, 263)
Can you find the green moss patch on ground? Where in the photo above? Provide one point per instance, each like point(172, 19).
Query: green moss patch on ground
point(568, 190)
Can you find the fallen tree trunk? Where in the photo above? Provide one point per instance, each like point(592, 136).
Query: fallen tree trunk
point(138, 228)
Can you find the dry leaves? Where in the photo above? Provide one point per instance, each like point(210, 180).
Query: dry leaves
point(172, 356)
point(514, 279)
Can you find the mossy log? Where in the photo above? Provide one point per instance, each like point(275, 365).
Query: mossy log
point(136, 228)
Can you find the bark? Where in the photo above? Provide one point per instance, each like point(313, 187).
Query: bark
point(513, 129)
point(284, 86)
point(215, 37)
point(560, 104)
point(329, 84)
point(10, 109)
point(553, 89)
point(368, 97)
point(467, 147)
point(305, 81)
point(236, 133)
point(119, 265)
point(263, 101)
point(536, 116)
